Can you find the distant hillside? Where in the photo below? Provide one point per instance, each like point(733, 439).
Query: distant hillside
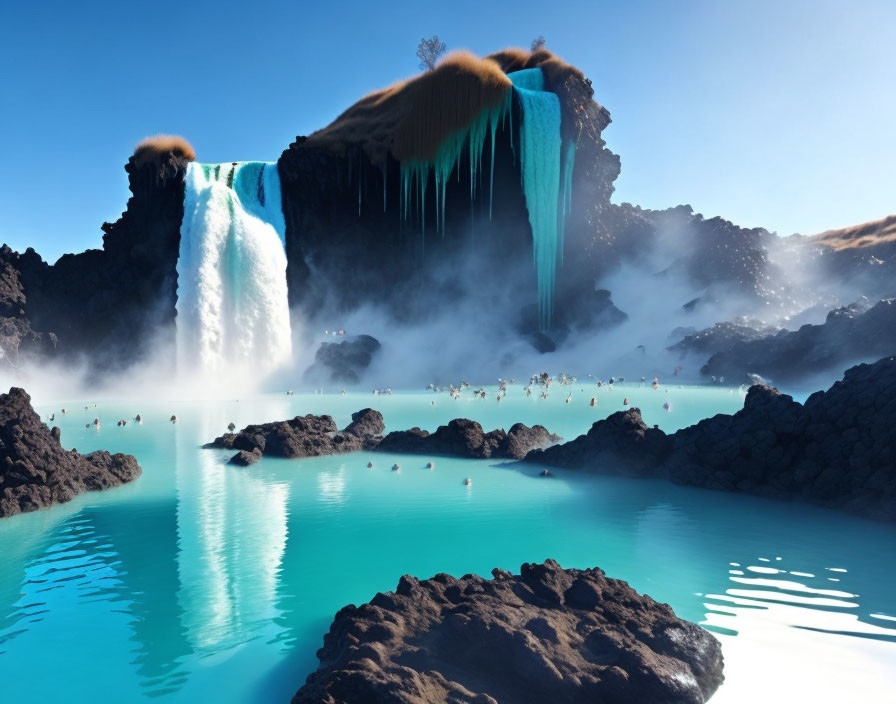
point(869, 234)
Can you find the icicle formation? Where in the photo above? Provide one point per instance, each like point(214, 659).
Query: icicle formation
point(232, 307)
point(415, 173)
point(545, 163)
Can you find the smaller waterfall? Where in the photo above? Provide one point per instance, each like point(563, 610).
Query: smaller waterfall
point(540, 164)
point(232, 306)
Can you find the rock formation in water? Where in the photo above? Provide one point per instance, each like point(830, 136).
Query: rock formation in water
point(848, 334)
point(303, 436)
point(546, 635)
point(313, 436)
point(37, 472)
point(342, 362)
point(466, 438)
point(836, 450)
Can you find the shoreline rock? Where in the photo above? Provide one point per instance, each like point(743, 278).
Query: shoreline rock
point(545, 635)
point(37, 472)
point(835, 451)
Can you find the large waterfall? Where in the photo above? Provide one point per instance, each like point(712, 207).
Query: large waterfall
point(232, 306)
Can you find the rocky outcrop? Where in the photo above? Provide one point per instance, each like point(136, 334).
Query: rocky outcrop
point(35, 470)
point(836, 450)
point(303, 436)
point(313, 436)
point(848, 334)
point(342, 362)
point(620, 444)
point(546, 635)
point(709, 253)
point(720, 337)
point(466, 438)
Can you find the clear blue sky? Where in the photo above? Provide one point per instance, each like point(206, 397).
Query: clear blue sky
point(772, 113)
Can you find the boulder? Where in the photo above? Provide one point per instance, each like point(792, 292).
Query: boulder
point(545, 635)
point(342, 362)
point(303, 436)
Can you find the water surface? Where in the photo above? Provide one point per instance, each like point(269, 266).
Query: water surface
point(204, 581)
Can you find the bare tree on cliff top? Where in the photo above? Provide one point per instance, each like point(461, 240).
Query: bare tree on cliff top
point(429, 51)
point(538, 43)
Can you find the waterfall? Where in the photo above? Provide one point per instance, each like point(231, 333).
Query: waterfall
point(540, 164)
point(232, 307)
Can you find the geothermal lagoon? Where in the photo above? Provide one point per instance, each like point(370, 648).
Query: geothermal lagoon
point(202, 581)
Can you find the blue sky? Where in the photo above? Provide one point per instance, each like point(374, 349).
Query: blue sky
point(780, 114)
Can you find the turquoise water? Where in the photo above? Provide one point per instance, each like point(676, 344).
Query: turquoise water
point(202, 581)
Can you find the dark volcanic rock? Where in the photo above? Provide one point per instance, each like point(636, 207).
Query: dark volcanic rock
point(848, 334)
point(465, 438)
point(303, 436)
point(111, 303)
point(547, 635)
point(343, 361)
point(312, 436)
point(18, 341)
point(35, 470)
point(621, 443)
point(836, 450)
point(720, 337)
point(244, 458)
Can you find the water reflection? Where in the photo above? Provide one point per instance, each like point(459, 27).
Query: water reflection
point(331, 485)
point(231, 537)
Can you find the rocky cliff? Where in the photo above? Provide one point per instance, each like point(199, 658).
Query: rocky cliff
point(108, 305)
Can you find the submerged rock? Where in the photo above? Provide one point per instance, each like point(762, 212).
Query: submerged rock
point(303, 436)
point(466, 438)
point(547, 635)
point(37, 472)
point(836, 450)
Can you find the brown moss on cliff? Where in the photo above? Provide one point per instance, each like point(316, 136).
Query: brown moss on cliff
point(869, 234)
point(157, 148)
point(411, 118)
